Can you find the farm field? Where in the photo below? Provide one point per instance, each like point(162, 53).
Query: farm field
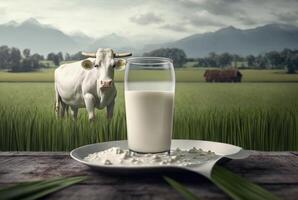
point(262, 116)
point(182, 75)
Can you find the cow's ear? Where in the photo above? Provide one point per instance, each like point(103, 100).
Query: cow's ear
point(120, 64)
point(87, 64)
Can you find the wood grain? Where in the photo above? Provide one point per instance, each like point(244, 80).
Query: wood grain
point(275, 171)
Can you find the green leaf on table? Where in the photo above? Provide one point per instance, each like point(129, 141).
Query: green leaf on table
point(181, 189)
point(237, 187)
point(37, 189)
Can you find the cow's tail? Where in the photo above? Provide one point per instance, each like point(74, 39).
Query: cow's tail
point(57, 105)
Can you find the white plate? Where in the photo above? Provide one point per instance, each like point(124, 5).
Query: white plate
point(221, 149)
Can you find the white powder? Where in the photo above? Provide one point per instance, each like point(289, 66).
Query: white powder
point(178, 157)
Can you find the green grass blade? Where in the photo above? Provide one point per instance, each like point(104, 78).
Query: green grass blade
point(237, 187)
point(63, 184)
point(181, 189)
point(15, 190)
point(37, 189)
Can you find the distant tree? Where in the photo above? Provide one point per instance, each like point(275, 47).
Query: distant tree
point(238, 58)
point(32, 62)
point(217, 60)
point(54, 57)
point(225, 59)
point(251, 60)
point(292, 64)
point(67, 56)
point(35, 61)
point(261, 62)
point(15, 60)
point(38, 56)
point(177, 55)
point(60, 55)
point(275, 59)
point(202, 62)
point(26, 65)
point(212, 60)
point(77, 56)
point(290, 58)
point(26, 53)
point(191, 59)
point(235, 59)
point(4, 57)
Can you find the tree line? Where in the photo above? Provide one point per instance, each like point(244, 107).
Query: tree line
point(13, 59)
point(56, 58)
point(177, 55)
point(285, 59)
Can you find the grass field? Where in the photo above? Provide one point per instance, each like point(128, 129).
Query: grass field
point(182, 75)
point(261, 116)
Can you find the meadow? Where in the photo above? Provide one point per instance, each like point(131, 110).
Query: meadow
point(262, 116)
point(182, 75)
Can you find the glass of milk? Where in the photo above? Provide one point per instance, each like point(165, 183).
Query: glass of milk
point(149, 103)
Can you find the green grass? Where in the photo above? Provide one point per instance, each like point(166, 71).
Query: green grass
point(182, 75)
point(38, 189)
point(233, 185)
point(262, 116)
point(237, 187)
point(45, 75)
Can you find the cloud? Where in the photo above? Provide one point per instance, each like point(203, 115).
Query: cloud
point(245, 20)
point(211, 15)
point(146, 19)
point(286, 17)
point(175, 27)
point(218, 7)
point(204, 18)
point(2, 11)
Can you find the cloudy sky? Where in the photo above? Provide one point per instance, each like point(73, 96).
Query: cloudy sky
point(163, 19)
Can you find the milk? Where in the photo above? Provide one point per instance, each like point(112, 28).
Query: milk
point(149, 115)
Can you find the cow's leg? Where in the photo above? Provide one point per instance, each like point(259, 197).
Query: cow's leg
point(74, 112)
point(110, 109)
point(62, 109)
point(66, 110)
point(89, 102)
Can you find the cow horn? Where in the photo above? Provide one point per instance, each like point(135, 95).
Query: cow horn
point(93, 55)
point(119, 55)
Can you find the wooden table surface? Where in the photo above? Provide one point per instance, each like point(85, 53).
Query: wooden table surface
point(275, 171)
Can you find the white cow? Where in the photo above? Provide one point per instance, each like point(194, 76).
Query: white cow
point(88, 83)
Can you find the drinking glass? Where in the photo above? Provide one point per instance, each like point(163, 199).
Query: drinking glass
point(149, 89)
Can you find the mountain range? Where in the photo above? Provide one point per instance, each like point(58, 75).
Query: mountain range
point(243, 42)
point(35, 36)
point(43, 39)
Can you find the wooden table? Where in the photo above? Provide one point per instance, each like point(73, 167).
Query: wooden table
point(275, 171)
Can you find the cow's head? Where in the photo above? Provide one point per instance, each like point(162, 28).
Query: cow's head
point(106, 61)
